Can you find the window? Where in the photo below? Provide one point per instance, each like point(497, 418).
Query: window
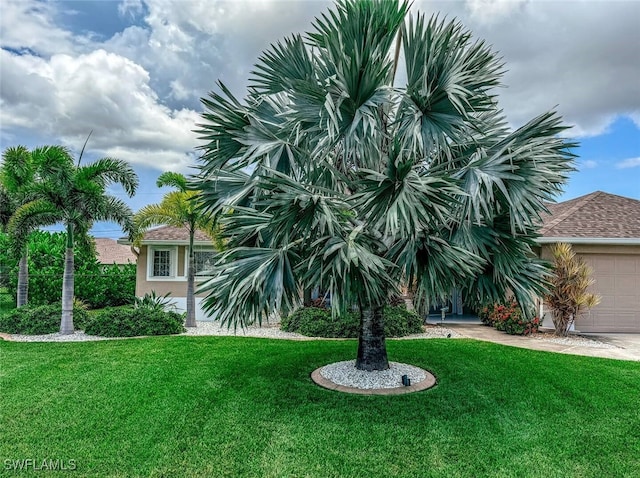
point(162, 263)
point(204, 261)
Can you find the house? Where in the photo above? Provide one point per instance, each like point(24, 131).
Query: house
point(162, 264)
point(108, 252)
point(604, 229)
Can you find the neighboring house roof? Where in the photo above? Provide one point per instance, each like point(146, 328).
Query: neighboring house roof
point(598, 217)
point(109, 251)
point(170, 235)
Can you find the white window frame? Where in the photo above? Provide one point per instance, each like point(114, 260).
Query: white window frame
point(173, 263)
point(186, 260)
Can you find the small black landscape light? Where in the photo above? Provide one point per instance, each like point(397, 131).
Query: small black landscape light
point(448, 336)
point(406, 381)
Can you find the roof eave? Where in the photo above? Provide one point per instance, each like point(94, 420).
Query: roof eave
point(174, 242)
point(605, 241)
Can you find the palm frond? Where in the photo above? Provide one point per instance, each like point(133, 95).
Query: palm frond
point(107, 171)
point(225, 119)
point(17, 169)
point(351, 268)
point(249, 284)
point(29, 217)
point(176, 180)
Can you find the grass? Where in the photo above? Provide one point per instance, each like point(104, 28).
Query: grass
point(233, 406)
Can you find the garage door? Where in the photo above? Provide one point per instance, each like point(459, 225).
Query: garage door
point(617, 279)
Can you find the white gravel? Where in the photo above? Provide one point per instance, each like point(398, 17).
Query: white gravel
point(77, 336)
point(573, 341)
point(346, 374)
point(272, 330)
point(204, 328)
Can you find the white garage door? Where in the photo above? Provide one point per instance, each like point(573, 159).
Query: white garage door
point(618, 283)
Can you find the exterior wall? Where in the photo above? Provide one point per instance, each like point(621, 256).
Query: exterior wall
point(177, 287)
point(181, 306)
point(617, 276)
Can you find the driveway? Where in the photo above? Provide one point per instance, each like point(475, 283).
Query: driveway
point(613, 346)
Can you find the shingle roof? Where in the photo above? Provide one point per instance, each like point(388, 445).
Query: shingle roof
point(109, 251)
point(596, 215)
point(173, 234)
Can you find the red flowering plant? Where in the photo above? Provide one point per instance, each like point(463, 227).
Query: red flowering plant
point(486, 314)
point(508, 317)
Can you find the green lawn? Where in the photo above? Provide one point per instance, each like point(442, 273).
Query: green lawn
point(233, 406)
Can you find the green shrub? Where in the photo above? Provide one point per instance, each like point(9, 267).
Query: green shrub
point(95, 284)
point(39, 320)
point(398, 321)
point(7, 302)
point(152, 301)
point(319, 322)
point(134, 322)
point(109, 286)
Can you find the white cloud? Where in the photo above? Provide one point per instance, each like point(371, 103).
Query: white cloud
point(141, 88)
point(29, 24)
point(581, 56)
point(491, 11)
point(588, 164)
point(628, 163)
point(188, 46)
point(99, 91)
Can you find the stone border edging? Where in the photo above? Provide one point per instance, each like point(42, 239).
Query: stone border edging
point(429, 382)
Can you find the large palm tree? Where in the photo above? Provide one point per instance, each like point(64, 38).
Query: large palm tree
point(75, 195)
point(180, 209)
point(331, 173)
point(18, 176)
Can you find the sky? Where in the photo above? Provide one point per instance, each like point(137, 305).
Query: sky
point(133, 72)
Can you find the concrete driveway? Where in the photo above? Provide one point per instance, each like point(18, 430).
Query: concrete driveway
point(613, 346)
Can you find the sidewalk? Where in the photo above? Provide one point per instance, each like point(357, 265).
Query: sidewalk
point(623, 346)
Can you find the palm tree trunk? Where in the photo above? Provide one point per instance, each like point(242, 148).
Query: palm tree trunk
point(191, 278)
point(23, 279)
point(372, 348)
point(66, 324)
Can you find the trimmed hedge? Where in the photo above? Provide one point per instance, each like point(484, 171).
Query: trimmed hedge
point(39, 320)
point(134, 322)
point(319, 322)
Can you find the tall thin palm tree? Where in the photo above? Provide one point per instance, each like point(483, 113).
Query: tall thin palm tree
point(180, 209)
point(334, 173)
point(75, 195)
point(18, 176)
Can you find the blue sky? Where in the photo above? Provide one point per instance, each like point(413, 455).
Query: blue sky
point(133, 71)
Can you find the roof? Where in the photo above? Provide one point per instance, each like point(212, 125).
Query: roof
point(109, 251)
point(598, 215)
point(170, 235)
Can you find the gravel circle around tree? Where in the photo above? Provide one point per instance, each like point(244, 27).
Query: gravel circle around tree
point(346, 374)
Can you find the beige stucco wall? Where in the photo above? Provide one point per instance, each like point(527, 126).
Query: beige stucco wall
point(176, 287)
